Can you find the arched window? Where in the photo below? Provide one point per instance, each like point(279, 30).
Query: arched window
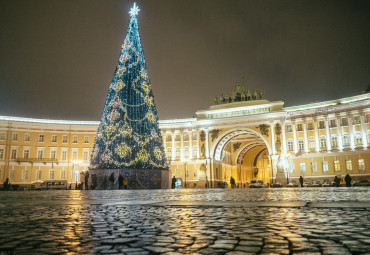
point(311, 141)
point(346, 140)
point(290, 145)
point(301, 144)
point(323, 142)
point(358, 139)
point(334, 141)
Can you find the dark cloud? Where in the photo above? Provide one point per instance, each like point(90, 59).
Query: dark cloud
point(57, 58)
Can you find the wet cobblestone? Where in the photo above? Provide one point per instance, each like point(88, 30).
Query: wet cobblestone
point(160, 222)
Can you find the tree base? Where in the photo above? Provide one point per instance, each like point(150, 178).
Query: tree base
point(137, 178)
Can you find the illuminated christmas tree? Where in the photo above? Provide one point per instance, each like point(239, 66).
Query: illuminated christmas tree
point(128, 136)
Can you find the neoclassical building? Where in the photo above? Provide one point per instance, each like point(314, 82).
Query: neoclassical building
point(254, 139)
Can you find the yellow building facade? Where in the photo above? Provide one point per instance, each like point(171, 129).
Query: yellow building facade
point(245, 140)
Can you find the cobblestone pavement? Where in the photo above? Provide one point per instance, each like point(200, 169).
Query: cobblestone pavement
point(239, 221)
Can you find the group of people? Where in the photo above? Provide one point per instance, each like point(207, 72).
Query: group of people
point(122, 182)
point(336, 183)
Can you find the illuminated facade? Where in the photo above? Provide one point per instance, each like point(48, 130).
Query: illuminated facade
point(245, 140)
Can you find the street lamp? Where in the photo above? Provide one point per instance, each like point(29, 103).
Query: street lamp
point(186, 171)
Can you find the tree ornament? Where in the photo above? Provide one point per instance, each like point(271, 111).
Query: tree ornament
point(123, 150)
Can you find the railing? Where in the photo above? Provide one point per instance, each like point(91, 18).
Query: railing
point(34, 160)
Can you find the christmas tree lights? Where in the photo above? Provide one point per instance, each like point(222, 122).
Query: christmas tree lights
point(128, 135)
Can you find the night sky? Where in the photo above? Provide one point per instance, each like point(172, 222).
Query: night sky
point(57, 58)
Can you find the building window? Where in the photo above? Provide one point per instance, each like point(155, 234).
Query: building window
point(38, 174)
point(75, 139)
point(333, 123)
point(177, 152)
point(24, 174)
point(195, 151)
point(85, 155)
point(299, 127)
point(291, 167)
point(74, 155)
point(334, 141)
point(325, 166)
point(53, 138)
point(64, 139)
point(63, 174)
point(301, 144)
point(313, 167)
point(336, 165)
point(13, 154)
point(323, 142)
point(53, 153)
point(12, 174)
point(51, 174)
point(367, 118)
point(358, 139)
point(64, 155)
point(344, 122)
point(186, 151)
point(15, 137)
point(290, 145)
point(40, 153)
point(321, 124)
point(41, 138)
point(2, 136)
point(312, 143)
point(195, 172)
point(349, 165)
point(26, 153)
point(86, 139)
point(361, 164)
point(345, 140)
point(310, 126)
point(169, 152)
point(356, 120)
point(303, 167)
point(27, 137)
point(1, 153)
point(288, 128)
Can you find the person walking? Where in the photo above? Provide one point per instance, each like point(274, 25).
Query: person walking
point(120, 181)
point(336, 181)
point(348, 180)
point(125, 183)
point(87, 180)
point(301, 181)
point(111, 179)
point(173, 182)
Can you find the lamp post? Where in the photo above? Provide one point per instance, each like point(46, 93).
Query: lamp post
point(186, 171)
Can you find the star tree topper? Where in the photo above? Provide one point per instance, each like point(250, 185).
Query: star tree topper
point(134, 10)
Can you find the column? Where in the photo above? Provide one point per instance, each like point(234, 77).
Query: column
point(207, 143)
point(272, 138)
point(351, 133)
point(294, 138)
point(198, 144)
point(190, 144)
point(182, 145)
point(328, 140)
point(316, 135)
point(306, 148)
point(339, 133)
point(173, 144)
point(283, 137)
point(363, 130)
